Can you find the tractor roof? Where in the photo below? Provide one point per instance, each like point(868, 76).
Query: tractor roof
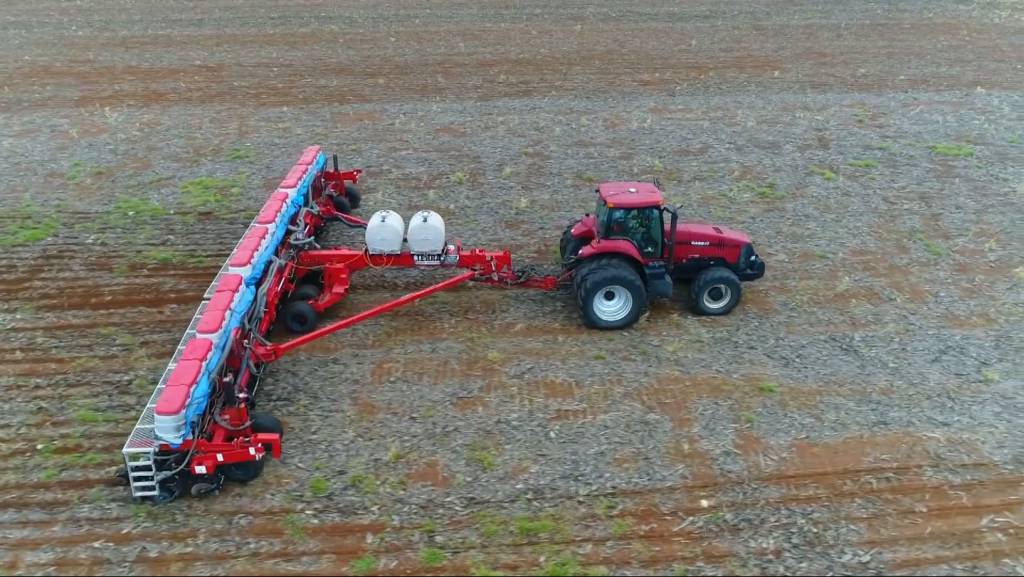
point(630, 194)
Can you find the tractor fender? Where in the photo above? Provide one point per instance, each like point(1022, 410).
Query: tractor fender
point(612, 246)
point(623, 249)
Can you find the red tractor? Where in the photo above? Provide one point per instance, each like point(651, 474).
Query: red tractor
point(634, 248)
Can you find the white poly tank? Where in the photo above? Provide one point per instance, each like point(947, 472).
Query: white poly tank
point(384, 232)
point(426, 233)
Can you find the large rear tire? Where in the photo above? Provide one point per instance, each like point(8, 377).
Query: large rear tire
point(715, 291)
point(610, 293)
point(251, 470)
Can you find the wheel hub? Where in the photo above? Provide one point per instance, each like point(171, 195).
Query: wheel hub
point(717, 296)
point(612, 303)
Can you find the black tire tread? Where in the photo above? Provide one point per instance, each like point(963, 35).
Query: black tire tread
point(299, 317)
point(604, 271)
point(305, 292)
point(251, 470)
point(341, 204)
point(355, 198)
point(712, 276)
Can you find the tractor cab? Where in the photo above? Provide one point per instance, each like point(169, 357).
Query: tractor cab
point(632, 211)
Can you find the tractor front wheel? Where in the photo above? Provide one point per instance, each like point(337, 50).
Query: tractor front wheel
point(611, 295)
point(715, 291)
point(569, 246)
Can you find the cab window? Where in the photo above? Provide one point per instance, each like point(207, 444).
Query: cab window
point(643, 226)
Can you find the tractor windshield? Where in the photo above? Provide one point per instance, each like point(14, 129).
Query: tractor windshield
point(602, 218)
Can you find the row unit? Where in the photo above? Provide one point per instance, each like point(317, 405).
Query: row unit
point(187, 388)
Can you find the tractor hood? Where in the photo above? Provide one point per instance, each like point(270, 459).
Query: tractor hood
point(699, 232)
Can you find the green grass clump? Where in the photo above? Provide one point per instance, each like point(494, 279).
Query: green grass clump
point(171, 257)
point(319, 487)
point(930, 246)
point(295, 526)
point(92, 417)
point(769, 388)
point(954, 150)
point(525, 527)
point(989, 376)
point(460, 178)
point(364, 565)
point(864, 163)
point(605, 506)
point(485, 572)
point(432, 557)
point(129, 206)
point(766, 190)
point(485, 457)
point(79, 170)
point(567, 565)
point(395, 454)
point(492, 525)
point(620, 527)
point(934, 248)
point(364, 483)
point(824, 172)
point(211, 194)
point(429, 527)
point(239, 153)
point(29, 224)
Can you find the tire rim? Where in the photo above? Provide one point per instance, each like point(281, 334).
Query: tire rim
point(612, 303)
point(717, 296)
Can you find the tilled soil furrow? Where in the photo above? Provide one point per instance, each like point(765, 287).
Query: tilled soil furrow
point(150, 321)
point(1005, 548)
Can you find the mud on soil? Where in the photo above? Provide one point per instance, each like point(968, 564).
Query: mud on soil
point(855, 414)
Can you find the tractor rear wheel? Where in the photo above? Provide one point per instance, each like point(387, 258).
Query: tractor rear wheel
point(250, 470)
point(355, 198)
point(305, 292)
point(611, 294)
point(299, 317)
point(715, 291)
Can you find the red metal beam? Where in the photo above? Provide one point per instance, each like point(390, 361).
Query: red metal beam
point(269, 353)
